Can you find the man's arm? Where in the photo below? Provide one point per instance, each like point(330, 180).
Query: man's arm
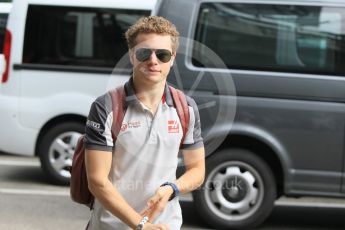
point(98, 165)
point(189, 181)
point(194, 158)
point(195, 170)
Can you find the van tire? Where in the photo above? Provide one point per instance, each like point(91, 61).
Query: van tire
point(242, 184)
point(56, 150)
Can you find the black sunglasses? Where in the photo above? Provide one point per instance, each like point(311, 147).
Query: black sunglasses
point(143, 54)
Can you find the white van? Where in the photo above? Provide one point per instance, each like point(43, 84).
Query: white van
point(58, 57)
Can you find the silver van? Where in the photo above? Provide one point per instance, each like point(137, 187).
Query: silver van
point(270, 79)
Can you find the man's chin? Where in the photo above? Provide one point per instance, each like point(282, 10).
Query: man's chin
point(154, 77)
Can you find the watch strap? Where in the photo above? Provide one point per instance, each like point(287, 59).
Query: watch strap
point(176, 191)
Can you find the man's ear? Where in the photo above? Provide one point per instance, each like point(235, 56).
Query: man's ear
point(172, 59)
point(131, 56)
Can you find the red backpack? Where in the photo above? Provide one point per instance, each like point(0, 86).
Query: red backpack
point(79, 189)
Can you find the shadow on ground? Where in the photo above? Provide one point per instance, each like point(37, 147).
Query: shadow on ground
point(283, 218)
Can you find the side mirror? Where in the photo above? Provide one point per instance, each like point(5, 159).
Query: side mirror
point(2, 64)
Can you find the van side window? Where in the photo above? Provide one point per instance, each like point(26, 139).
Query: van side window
point(3, 20)
point(285, 38)
point(76, 36)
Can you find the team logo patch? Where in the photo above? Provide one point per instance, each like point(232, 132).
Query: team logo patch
point(130, 125)
point(173, 126)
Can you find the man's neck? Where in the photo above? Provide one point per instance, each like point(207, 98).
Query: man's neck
point(149, 95)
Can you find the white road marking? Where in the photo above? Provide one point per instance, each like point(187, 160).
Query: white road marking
point(19, 163)
point(185, 198)
point(34, 192)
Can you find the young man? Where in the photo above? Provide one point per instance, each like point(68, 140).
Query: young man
point(135, 185)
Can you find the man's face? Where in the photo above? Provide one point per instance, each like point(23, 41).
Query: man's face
point(151, 57)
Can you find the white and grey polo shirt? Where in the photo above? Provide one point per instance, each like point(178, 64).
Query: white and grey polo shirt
point(145, 152)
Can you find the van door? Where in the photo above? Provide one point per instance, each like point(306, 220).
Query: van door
point(289, 81)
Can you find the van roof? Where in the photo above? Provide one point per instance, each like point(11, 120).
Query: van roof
point(127, 4)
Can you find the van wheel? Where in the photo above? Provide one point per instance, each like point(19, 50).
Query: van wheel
point(56, 151)
point(239, 190)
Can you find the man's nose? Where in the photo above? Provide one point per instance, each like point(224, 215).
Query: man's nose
point(153, 58)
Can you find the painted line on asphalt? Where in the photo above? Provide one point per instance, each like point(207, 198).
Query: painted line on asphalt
point(33, 192)
point(19, 163)
point(184, 198)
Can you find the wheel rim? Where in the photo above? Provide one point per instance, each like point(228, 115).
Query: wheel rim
point(234, 190)
point(61, 152)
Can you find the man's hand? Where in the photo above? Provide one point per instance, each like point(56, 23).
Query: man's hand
point(157, 203)
point(149, 226)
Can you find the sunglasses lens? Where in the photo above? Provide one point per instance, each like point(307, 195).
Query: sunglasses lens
point(143, 54)
point(163, 55)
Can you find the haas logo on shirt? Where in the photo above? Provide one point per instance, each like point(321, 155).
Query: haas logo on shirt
point(173, 126)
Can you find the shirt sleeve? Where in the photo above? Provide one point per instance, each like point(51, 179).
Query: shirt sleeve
point(193, 139)
point(98, 125)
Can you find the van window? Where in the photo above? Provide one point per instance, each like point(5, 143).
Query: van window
point(3, 20)
point(286, 38)
point(76, 36)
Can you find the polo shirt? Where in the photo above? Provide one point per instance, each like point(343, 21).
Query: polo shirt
point(145, 154)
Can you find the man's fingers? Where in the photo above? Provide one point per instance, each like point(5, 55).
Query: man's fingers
point(153, 212)
point(144, 212)
point(157, 203)
point(162, 192)
point(163, 227)
point(156, 227)
point(156, 211)
point(153, 200)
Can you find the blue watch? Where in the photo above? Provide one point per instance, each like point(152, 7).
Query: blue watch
point(176, 191)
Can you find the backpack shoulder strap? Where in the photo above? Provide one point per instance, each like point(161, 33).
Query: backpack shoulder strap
point(118, 97)
point(181, 105)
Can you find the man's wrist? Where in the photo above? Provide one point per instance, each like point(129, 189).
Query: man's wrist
point(175, 189)
point(142, 223)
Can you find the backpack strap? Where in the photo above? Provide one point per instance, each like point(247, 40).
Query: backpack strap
point(181, 105)
point(118, 98)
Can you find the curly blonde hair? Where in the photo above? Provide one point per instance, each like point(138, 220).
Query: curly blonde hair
point(152, 24)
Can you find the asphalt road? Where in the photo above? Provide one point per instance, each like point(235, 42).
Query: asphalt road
point(29, 202)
